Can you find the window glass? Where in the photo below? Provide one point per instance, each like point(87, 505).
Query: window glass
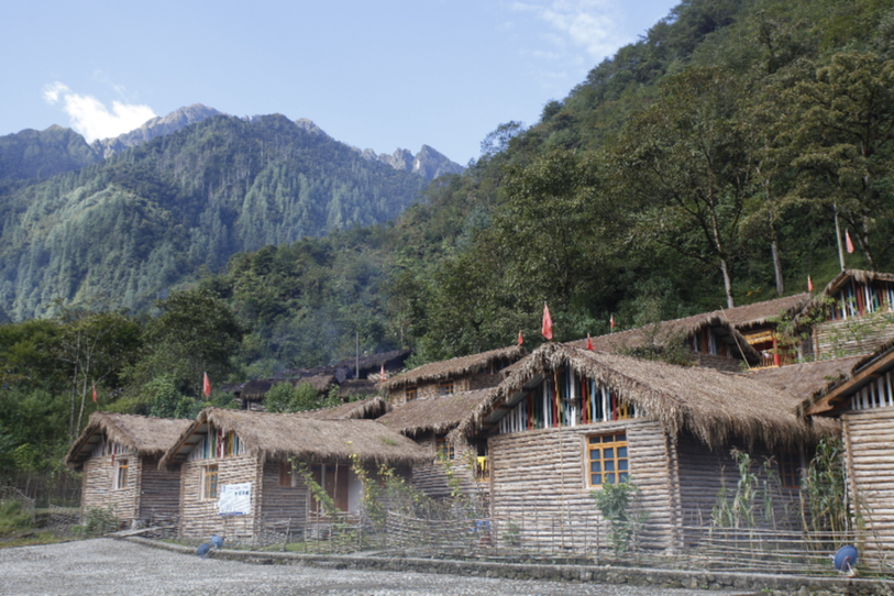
point(607, 458)
point(209, 483)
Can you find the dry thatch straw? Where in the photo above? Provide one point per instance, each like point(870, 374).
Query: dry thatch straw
point(455, 367)
point(712, 405)
point(677, 330)
point(760, 313)
point(372, 407)
point(278, 436)
point(437, 414)
point(806, 379)
point(142, 435)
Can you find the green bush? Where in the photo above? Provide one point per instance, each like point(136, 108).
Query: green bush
point(14, 517)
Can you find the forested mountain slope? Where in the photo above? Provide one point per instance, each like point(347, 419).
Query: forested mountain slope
point(704, 166)
point(130, 228)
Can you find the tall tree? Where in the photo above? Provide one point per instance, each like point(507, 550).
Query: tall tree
point(841, 123)
point(683, 160)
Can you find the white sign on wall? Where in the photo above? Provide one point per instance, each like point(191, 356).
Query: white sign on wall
point(235, 499)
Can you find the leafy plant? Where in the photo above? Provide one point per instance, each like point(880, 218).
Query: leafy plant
point(618, 505)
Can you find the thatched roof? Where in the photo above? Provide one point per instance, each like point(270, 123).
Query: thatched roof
point(674, 330)
point(451, 369)
point(277, 436)
point(437, 414)
point(142, 435)
point(369, 408)
point(836, 393)
point(858, 275)
point(712, 405)
point(760, 313)
point(804, 380)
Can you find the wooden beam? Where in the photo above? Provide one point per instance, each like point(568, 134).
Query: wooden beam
point(842, 393)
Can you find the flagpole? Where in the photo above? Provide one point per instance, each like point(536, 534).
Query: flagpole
point(838, 238)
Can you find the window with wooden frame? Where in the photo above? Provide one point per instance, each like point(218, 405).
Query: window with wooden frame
point(444, 449)
point(607, 459)
point(445, 388)
point(411, 393)
point(790, 470)
point(209, 482)
point(121, 474)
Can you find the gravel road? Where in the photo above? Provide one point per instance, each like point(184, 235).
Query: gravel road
point(106, 566)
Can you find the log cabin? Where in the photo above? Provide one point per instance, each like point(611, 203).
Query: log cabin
point(119, 455)
point(568, 421)
point(706, 340)
point(863, 401)
point(238, 467)
point(758, 323)
point(446, 377)
point(857, 306)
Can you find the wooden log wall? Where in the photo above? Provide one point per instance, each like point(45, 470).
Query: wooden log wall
point(544, 471)
point(870, 462)
point(98, 486)
point(199, 518)
point(853, 336)
point(283, 502)
point(702, 474)
point(432, 478)
point(160, 491)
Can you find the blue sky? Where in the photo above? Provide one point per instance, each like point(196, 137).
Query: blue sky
point(380, 75)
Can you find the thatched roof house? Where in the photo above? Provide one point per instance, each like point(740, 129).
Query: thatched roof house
point(135, 435)
point(710, 339)
point(711, 405)
point(567, 421)
point(253, 454)
point(299, 436)
point(858, 307)
point(465, 373)
point(863, 400)
point(119, 454)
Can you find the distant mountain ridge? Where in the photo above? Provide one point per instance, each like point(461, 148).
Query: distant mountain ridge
point(128, 228)
point(155, 127)
point(42, 154)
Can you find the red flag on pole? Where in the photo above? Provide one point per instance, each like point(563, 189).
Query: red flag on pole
point(611, 321)
point(589, 343)
point(521, 340)
point(547, 330)
point(206, 386)
point(94, 392)
point(847, 242)
point(809, 284)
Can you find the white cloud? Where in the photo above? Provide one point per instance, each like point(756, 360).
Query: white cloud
point(593, 25)
point(91, 118)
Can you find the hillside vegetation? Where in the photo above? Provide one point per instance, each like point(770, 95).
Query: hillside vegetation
point(128, 229)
